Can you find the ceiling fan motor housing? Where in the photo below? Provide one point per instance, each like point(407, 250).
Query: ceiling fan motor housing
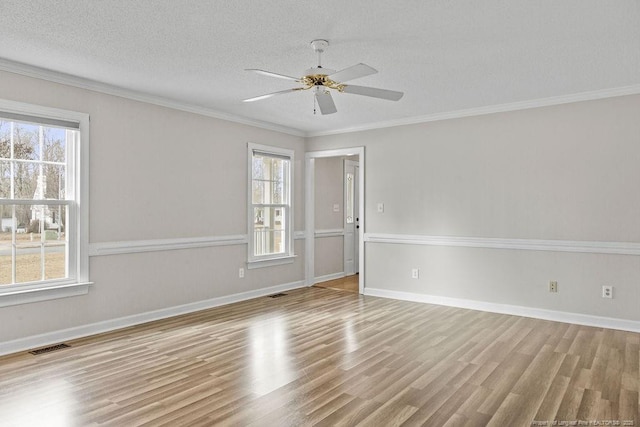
point(319, 71)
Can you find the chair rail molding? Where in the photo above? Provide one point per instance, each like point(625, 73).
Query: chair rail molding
point(581, 246)
point(153, 245)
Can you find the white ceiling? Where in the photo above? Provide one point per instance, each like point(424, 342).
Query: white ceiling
point(446, 55)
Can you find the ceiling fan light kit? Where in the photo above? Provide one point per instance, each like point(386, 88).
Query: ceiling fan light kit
point(322, 79)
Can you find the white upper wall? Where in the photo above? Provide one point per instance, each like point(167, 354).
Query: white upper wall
point(563, 172)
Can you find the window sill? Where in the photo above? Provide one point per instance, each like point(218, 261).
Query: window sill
point(270, 262)
point(28, 295)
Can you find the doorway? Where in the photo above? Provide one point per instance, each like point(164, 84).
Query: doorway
point(357, 223)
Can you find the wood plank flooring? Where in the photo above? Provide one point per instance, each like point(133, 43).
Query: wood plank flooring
point(347, 284)
point(329, 358)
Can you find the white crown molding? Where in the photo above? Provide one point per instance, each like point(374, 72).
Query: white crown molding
point(490, 109)
point(79, 82)
point(334, 232)
point(515, 310)
point(82, 83)
point(35, 341)
point(619, 248)
point(135, 246)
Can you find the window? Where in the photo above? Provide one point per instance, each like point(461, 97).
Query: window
point(42, 243)
point(270, 205)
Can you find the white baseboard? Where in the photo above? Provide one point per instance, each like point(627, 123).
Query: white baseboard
point(516, 310)
point(55, 337)
point(328, 277)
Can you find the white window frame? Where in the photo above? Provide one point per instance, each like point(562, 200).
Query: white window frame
point(271, 259)
point(77, 282)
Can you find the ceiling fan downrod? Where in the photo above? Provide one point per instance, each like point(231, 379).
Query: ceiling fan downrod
point(319, 45)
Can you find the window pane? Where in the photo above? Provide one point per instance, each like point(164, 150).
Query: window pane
point(258, 193)
point(53, 182)
point(270, 217)
point(278, 218)
point(26, 181)
point(277, 192)
point(48, 219)
point(5, 179)
point(268, 242)
point(269, 229)
point(54, 144)
point(28, 262)
point(258, 217)
point(23, 219)
point(5, 139)
point(5, 256)
point(54, 259)
point(273, 172)
point(45, 230)
point(26, 141)
point(258, 171)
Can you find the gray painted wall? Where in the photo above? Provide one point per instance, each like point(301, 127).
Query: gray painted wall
point(566, 172)
point(329, 259)
point(156, 173)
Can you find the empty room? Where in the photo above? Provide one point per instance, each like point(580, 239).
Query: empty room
point(340, 213)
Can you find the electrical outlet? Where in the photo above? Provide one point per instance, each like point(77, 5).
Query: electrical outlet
point(415, 273)
point(553, 286)
point(607, 291)
point(380, 207)
point(241, 273)
point(336, 207)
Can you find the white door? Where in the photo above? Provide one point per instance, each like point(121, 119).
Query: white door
point(351, 219)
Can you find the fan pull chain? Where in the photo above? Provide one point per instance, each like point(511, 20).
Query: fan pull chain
point(314, 105)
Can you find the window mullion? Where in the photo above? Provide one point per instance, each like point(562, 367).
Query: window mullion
point(50, 202)
point(13, 243)
point(12, 164)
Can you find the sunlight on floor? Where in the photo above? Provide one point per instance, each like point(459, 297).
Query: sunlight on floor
point(50, 404)
point(270, 357)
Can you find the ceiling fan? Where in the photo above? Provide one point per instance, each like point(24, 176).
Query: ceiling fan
point(322, 79)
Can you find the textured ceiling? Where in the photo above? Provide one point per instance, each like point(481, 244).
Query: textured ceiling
point(446, 55)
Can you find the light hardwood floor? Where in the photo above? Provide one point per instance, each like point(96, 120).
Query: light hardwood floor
point(324, 357)
point(347, 283)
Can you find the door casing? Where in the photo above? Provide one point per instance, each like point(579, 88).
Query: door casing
point(310, 210)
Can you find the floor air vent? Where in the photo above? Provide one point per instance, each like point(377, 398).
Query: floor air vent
point(277, 295)
point(49, 349)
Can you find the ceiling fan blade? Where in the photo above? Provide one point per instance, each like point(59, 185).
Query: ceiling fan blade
point(373, 92)
point(270, 74)
point(325, 102)
point(269, 95)
point(353, 72)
